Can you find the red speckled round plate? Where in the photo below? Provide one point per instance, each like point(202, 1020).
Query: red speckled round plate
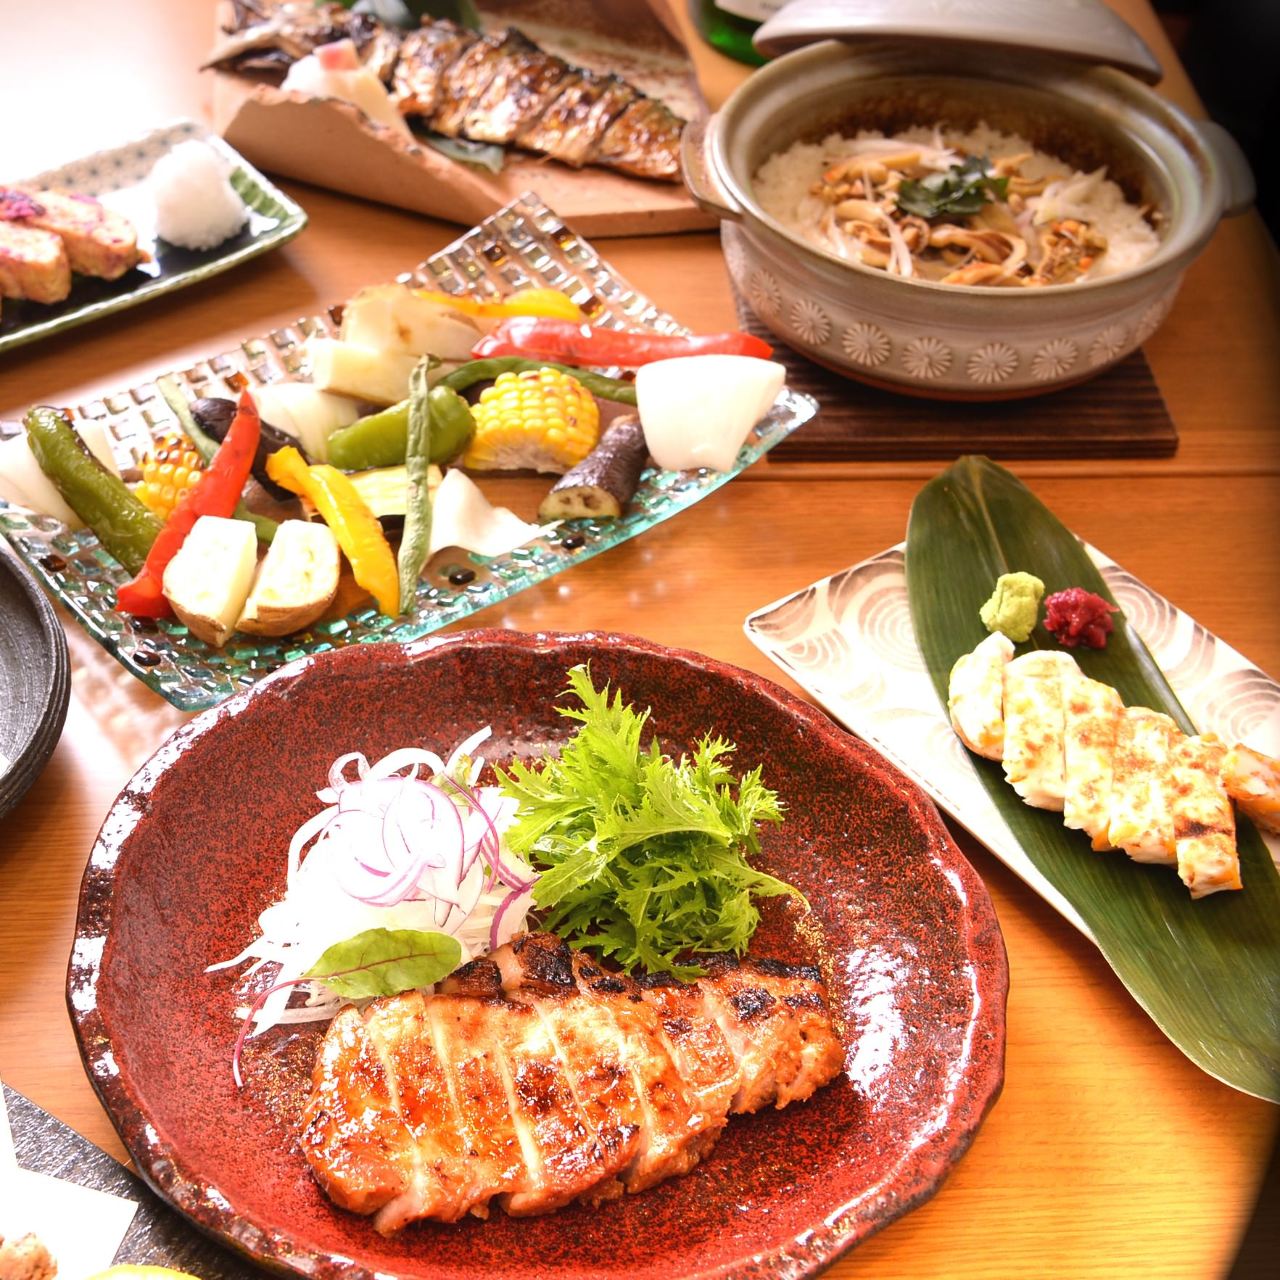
point(195, 847)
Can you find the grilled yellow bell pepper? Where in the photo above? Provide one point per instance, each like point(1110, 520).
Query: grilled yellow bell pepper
point(357, 529)
point(524, 302)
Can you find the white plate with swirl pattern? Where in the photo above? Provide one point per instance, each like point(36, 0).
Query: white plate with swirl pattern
point(848, 641)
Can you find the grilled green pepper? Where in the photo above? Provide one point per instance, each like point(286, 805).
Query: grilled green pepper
point(467, 375)
point(122, 524)
point(379, 440)
point(415, 542)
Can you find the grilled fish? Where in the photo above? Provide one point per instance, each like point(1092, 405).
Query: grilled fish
point(534, 1078)
point(502, 88)
point(498, 88)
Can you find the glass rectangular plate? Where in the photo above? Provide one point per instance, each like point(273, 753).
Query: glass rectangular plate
point(849, 642)
point(522, 244)
point(117, 177)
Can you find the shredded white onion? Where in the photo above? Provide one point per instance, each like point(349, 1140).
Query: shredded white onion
point(409, 842)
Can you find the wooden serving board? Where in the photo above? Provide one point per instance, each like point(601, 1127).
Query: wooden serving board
point(1118, 414)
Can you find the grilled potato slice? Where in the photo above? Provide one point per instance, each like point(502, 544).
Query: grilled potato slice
point(296, 580)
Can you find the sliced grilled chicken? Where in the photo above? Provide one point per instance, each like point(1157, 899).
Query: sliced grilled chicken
point(535, 1077)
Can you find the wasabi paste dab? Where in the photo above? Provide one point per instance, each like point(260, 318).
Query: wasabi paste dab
point(1014, 606)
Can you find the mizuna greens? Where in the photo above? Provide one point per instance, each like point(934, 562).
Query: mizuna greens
point(642, 857)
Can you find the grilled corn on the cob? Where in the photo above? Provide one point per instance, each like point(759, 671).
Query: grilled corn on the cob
point(539, 420)
point(171, 467)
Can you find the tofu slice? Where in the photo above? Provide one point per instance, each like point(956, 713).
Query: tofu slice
point(209, 579)
point(1141, 818)
point(1034, 726)
point(975, 696)
point(1204, 825)
point(296, 580)
point(1253, 782)
point(1091, 721)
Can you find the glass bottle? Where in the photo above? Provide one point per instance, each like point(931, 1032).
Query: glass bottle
point(728, 25)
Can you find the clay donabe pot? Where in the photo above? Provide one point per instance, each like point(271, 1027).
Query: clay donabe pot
point(954, 341)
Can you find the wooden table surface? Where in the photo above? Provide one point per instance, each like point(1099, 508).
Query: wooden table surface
point(1108, 1153)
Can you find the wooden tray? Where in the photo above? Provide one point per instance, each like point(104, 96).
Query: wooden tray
point(1118, 414)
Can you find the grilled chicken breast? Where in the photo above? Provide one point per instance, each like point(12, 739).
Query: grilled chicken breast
point(534, 1078)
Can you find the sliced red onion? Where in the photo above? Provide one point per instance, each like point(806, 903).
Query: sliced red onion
point(507, 904)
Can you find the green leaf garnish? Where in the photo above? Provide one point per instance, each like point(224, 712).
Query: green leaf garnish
point(407, 14)
point(383, 962)
point(483, 155)
point(963, 189)
point(642, 857)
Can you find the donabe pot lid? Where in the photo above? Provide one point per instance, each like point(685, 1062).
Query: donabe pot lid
point(1081, 30)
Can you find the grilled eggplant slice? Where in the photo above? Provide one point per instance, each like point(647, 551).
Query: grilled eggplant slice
point(602, 484)
point(213, 415)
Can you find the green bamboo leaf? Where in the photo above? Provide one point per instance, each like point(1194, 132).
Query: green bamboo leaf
point(1207, 971)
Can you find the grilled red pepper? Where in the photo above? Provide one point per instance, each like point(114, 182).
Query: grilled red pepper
point(216, 495)
point(546, 338)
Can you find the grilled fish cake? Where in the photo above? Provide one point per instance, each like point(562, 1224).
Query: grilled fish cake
point(99, 242)
point(1141, 804)
point(1033, 726)
point(1204, 825)
point(1091, 721)
point(975, 695)
point(534, 1077)
point(33, 264)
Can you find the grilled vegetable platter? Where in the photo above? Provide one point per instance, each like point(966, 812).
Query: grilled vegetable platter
point(352, 497)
